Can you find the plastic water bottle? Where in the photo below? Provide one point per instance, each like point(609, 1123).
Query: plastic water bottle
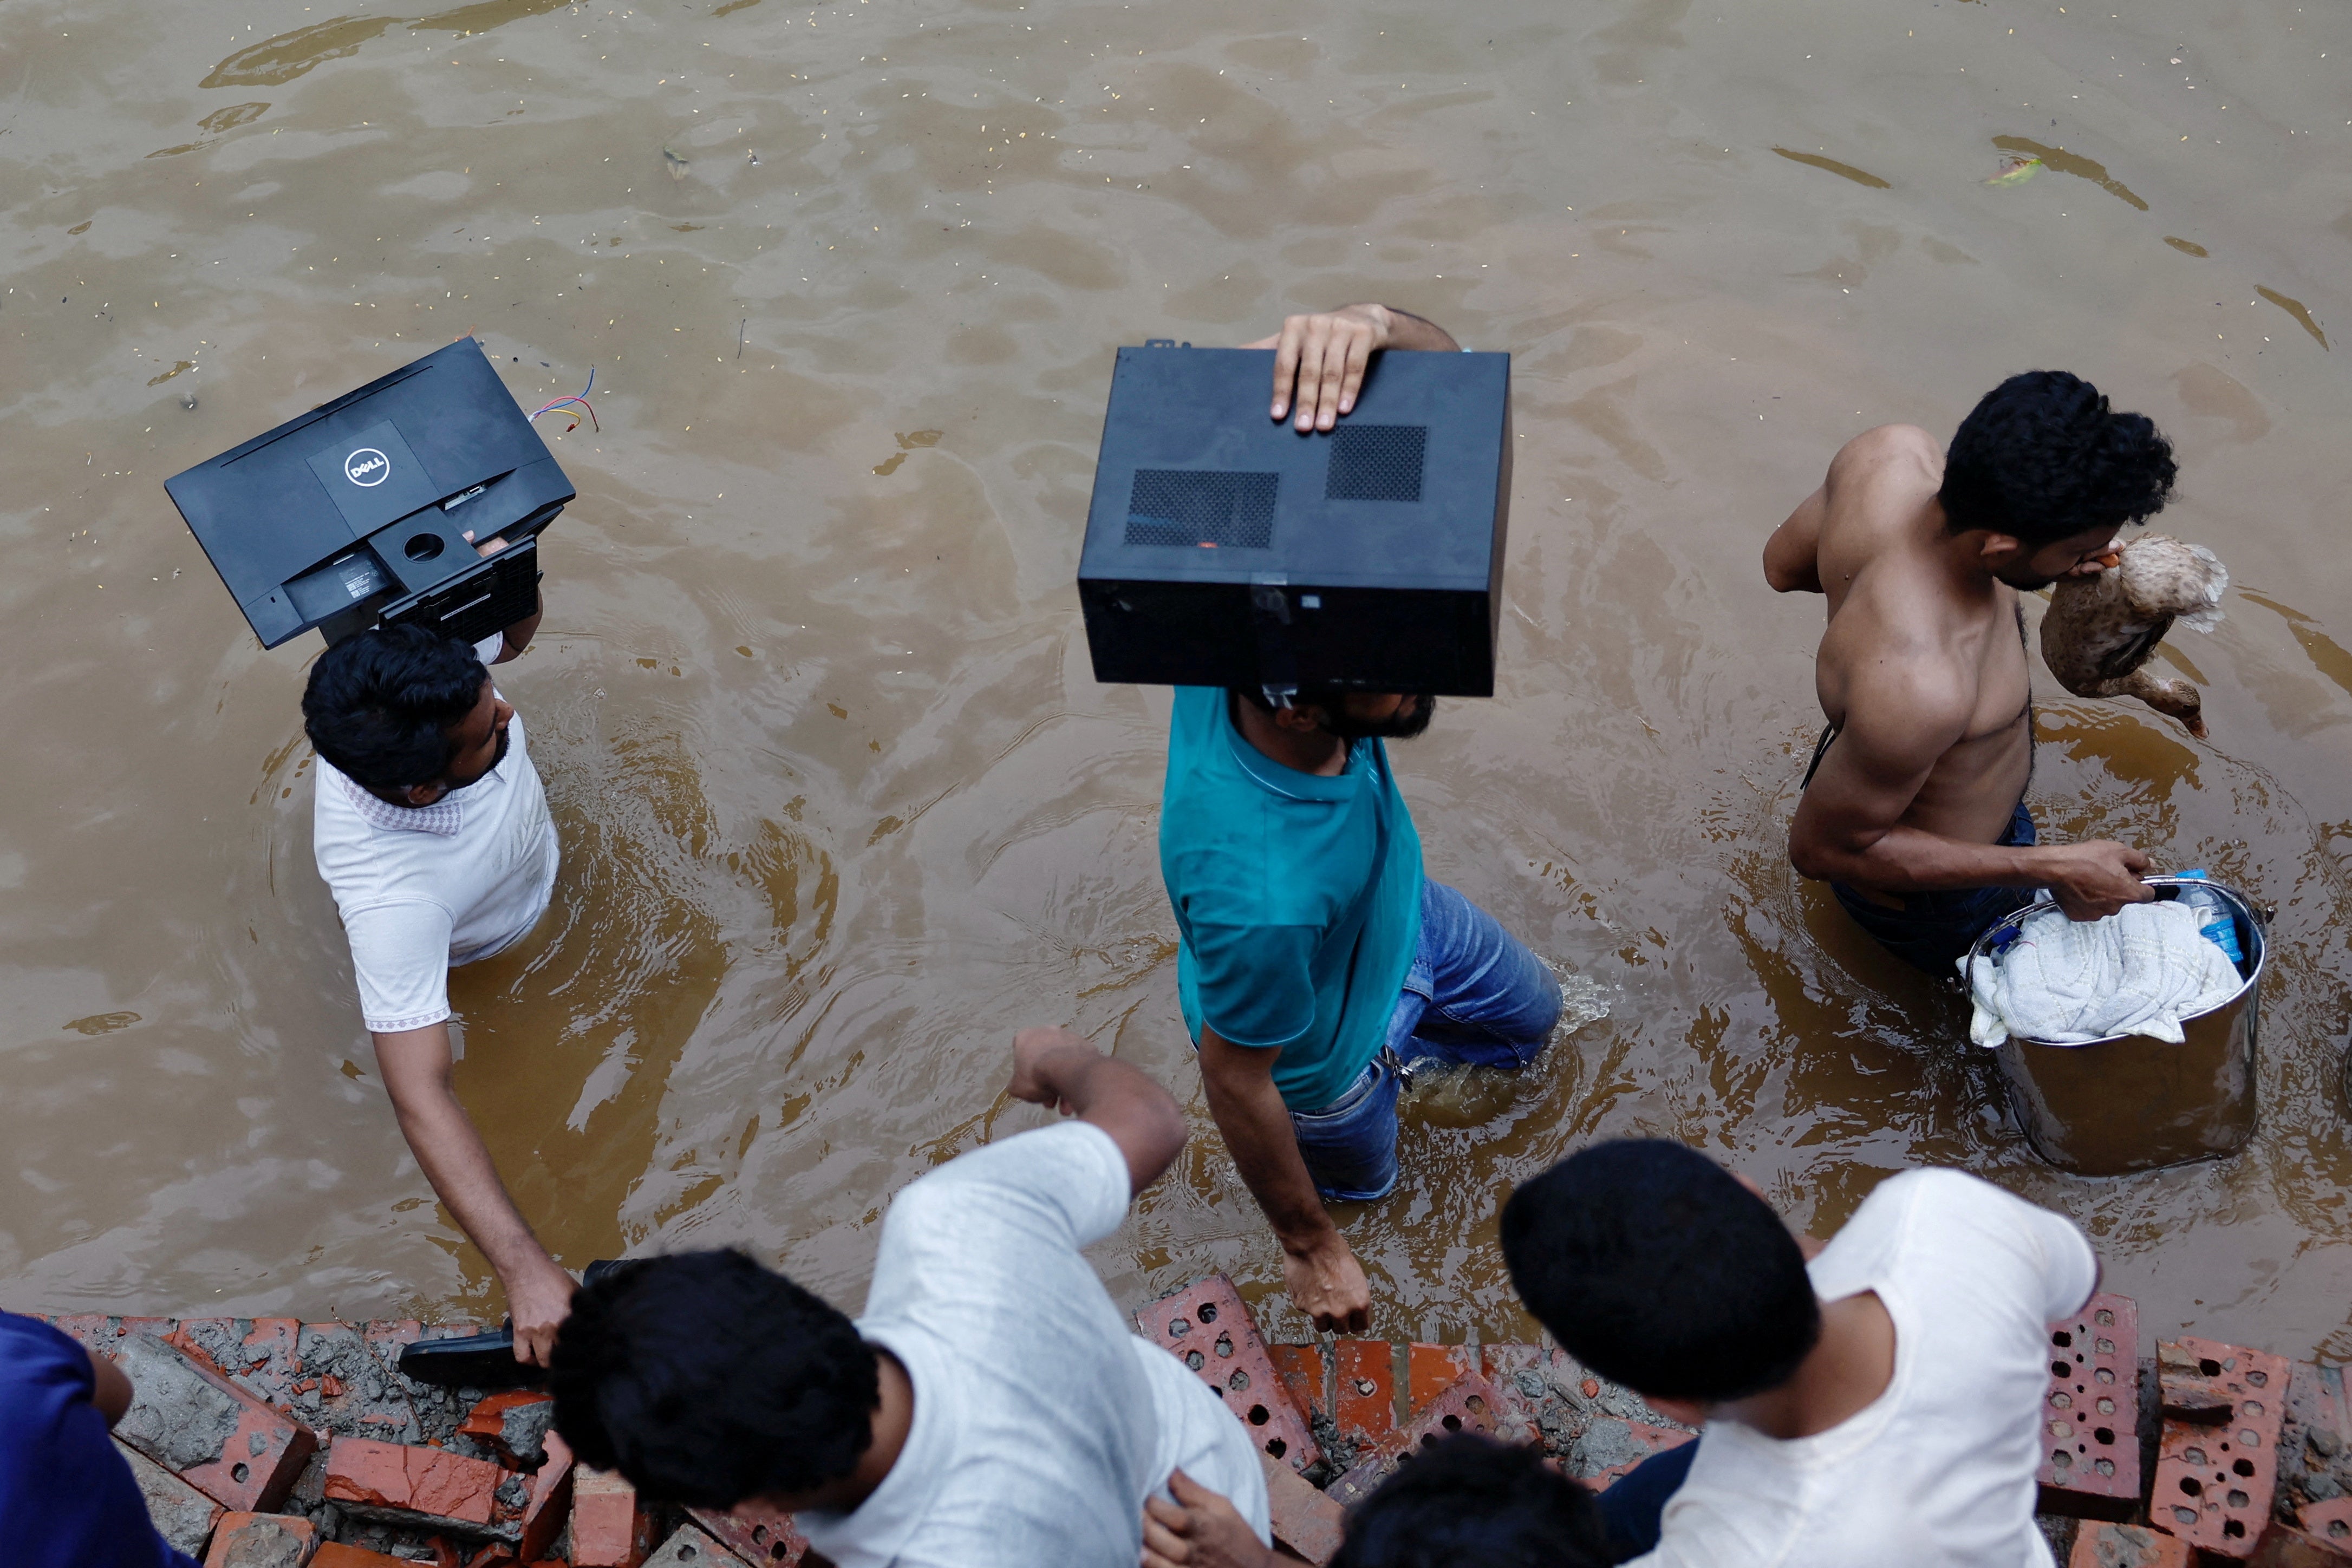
point(2215, 919)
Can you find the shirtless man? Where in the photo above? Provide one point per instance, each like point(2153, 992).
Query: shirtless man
point(1914, 810)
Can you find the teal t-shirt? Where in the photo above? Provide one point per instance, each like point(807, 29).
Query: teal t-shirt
point(1297, 898)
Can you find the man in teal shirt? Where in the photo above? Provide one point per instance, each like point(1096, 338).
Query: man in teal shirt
point(1317, 965)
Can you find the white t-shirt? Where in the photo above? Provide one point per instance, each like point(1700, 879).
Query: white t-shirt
point(1041, 1421)
point(1938, 1472)
point(424, 888)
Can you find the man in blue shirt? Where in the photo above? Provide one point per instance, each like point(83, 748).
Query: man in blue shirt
point(67, 1499)
point(1317, 965)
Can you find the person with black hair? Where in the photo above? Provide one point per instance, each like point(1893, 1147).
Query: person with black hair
point(1316, 965)
point(991, 1408)
point(431, 829)
point(1466, 1499)
point(1914, 809)
point(1880, 1403)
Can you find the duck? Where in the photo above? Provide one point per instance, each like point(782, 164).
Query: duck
point(2102, 630)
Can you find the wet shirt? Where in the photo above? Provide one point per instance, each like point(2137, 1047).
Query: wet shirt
point(1938, 1471)
point(1297, 898)
point(423, 888)
point(1041, 1421)
point(67, 1495)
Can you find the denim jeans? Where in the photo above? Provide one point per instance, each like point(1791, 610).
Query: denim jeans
point(1474, 997)
point(1631, 1510)
point(1934, 931)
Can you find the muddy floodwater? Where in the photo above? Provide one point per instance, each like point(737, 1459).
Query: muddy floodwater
point(841, 803)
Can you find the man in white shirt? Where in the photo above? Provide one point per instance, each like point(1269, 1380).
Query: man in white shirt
point(991, 1408)
point(1880, 1405)
point(431, 829)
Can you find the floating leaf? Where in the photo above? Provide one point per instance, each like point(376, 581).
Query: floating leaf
point(2017, 174)
point(677, 165)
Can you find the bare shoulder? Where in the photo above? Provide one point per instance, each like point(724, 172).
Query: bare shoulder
point(1902, 453)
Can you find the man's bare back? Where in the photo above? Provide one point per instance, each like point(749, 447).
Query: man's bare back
point(1923, 676)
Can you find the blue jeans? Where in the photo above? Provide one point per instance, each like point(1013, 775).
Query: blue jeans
point(1474, 997)
point(1934, 931)
point(1629, 1510)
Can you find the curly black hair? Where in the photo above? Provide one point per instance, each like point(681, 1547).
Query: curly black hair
point(707, 1380)
point(379, 706)
point(2043, 458)
point(1469, 1499)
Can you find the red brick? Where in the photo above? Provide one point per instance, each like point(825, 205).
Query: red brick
point(515, 1422)
point(2282, 1547)
point(689, 1547)
point(212, 1433)
point(1609, 1448)
point(2329, 1521)
point(181, 1514)
point(1306, 1520)
point(1467, 1407)
point(2215, 1482)
point(551, 1500)
point(1523, 1375)
point(1432, 1369)
point(1306, 1371)
point(92, 1331)
point(1209, 1327)
point(388, 1480)
point(1366, 1403)
point(608, 1529)
point(757, 1533)
point(335, 1554)
point(2103, 1545)
point(257, 1353)
point(2090, 1416)
point(262, 1541)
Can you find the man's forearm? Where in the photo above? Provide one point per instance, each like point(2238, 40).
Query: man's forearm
point(1256, 1128)
point(457, 1164)
point(1910, 860)
point(1139, 1115)
point(1407, 330)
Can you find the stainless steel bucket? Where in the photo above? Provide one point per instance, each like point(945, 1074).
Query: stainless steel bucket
point(2131, 1103)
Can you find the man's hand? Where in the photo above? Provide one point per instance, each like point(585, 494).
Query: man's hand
point(539, 1300)
point(1030, 1048)
point(2093, 879)
point(1058, 1068)
point(1327, 1284)
point(1200, 1530)
point(491, 548)
point(1325, 355)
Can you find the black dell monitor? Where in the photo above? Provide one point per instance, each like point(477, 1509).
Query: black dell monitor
point(356, 513)
point(1225, 548)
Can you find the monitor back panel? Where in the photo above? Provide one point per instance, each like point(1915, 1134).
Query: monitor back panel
point(1225, 548)
point(369, 498)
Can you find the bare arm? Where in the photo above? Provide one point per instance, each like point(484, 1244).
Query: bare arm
point(1326, 355)
point(1324, 1278)
point(113, 1395)
point(1792, 555)
point(416, 1069)
point(1057, 1067)
point(1849, 823)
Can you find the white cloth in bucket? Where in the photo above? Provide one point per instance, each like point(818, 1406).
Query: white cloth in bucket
point(2139, 971)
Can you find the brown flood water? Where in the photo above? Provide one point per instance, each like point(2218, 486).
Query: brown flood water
point(841, 802)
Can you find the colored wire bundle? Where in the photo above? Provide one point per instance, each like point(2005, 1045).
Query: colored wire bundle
point(582, 401)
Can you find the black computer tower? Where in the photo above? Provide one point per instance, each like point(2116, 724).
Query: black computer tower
point(356, 511)
point(1225, 548)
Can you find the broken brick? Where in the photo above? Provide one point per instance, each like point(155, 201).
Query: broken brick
point(1306, 1520)
point(515, 1422)
point(2329, 1521)
point(1430, 1369)
point(1523, 1376)
point(755, 1532)
point(1365, 1405)
point(181, 1515)
point(256, 1354)
point(2285, 1547)
point(549, 1503)
point(263, 1540)
point(2214, 1483)
point(2108, 1545)
point(1209, 1327)
point(691, 1548)
point(426, 1487)
point(1306, 1371)
point(212, 1433)
point(608, 1529)
point(2090, 1416)
point(1467, 1407)
point(335, 1554)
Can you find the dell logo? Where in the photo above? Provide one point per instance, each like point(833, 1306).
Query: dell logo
point(367, 466)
